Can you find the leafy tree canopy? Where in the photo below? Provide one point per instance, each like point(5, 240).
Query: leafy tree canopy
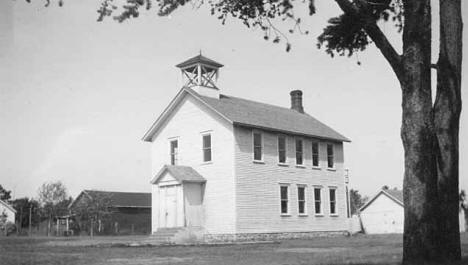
point(345, 34)
point(356, 200)
point(23, 207)
point(53, 198)
point(5, 194)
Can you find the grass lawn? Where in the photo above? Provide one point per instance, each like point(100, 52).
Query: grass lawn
point(381, 249)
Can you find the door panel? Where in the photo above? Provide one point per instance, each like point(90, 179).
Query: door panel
point(171, 206)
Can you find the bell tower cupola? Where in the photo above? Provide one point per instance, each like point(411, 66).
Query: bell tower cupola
point(200, 74)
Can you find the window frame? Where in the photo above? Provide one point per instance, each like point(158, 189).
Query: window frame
point(285, 149)
point(332, 155)
point(305, 212)
point(320, 201)
point(261, 146)
point(173, 161)
point(335, 213)
point(288, 206)
point(302, 151)
point(317, 143)
point(203, 134)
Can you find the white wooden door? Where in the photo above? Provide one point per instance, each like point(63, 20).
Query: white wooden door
point(171, 207)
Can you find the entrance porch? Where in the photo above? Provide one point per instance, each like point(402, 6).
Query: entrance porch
point(177, 198)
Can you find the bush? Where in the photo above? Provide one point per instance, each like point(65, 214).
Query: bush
point(10, 228)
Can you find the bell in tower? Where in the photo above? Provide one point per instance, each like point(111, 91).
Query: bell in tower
point(201, 74)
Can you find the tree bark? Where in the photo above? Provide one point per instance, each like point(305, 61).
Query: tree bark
point(420, 238)
point(447, 108)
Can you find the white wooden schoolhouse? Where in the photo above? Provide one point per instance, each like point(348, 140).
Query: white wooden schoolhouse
point(229, 166)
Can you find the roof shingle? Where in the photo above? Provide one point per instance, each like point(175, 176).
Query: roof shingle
point(180, 173)
point(256, 114)
point(124, 199)
point(397, 194)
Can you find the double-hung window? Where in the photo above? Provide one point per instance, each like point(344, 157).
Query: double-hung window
point(330, 156)
point(284, 199)
point(332, 201)
point(281, 149)
point(206, 147)
point(301, 200)
point(318, 200)
point(315, 154)
point(174, 151)
point(299, 152)
point(258, 146)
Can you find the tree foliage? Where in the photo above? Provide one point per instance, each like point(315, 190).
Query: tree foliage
point(52, 193)
point(23, 207)
point(356, 201)
point(54, 200)
point(92, 207)
point(5, 194)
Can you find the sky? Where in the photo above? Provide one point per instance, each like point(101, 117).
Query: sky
point(76, 95)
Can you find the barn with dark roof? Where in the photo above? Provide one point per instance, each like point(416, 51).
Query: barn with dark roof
point(129, 212)
point(228, 167)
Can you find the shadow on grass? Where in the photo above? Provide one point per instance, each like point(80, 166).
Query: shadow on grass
point(464, 261)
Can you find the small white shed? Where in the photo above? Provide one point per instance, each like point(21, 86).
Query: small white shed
point(384, 213)
point(8, 210)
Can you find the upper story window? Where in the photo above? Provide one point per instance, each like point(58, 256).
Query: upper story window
point(315, 154)
point(206, 147)
point(332, 201)
point(301, 200)
point(330, 156)
point(174, 151)
point(258, 146)
point(299, 152)
point(284, 200)
point(281, 149)
point(318, 200)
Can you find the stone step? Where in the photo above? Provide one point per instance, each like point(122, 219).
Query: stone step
point(165, 235)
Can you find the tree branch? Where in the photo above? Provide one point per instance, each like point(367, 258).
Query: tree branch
point(377, 36)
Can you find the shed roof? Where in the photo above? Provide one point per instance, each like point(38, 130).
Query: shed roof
point(395, 195)
point(180, 173)
point(243, 112)
point(119, 199)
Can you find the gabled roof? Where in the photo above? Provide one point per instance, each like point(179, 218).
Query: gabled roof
point(8, 206)
point(180, 173)
point(243, 112)
point(199, 59)
point(265, 116)
point(394, 194)
point(119, 199)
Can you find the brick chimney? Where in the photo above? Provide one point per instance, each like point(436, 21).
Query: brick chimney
point(296, 101)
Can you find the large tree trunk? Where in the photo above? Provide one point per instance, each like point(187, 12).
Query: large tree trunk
point(447, 110)
point(420, 239)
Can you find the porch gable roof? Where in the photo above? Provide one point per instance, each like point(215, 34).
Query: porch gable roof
point(180, 173)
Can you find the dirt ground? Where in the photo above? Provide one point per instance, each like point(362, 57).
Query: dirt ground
point(378, 249)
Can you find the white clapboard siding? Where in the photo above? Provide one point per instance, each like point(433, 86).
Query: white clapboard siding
point(7, 209)
point(187, 123)
point(382, 216)
point(258, 186)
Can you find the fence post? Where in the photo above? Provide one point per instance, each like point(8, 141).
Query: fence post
point(92, 226)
